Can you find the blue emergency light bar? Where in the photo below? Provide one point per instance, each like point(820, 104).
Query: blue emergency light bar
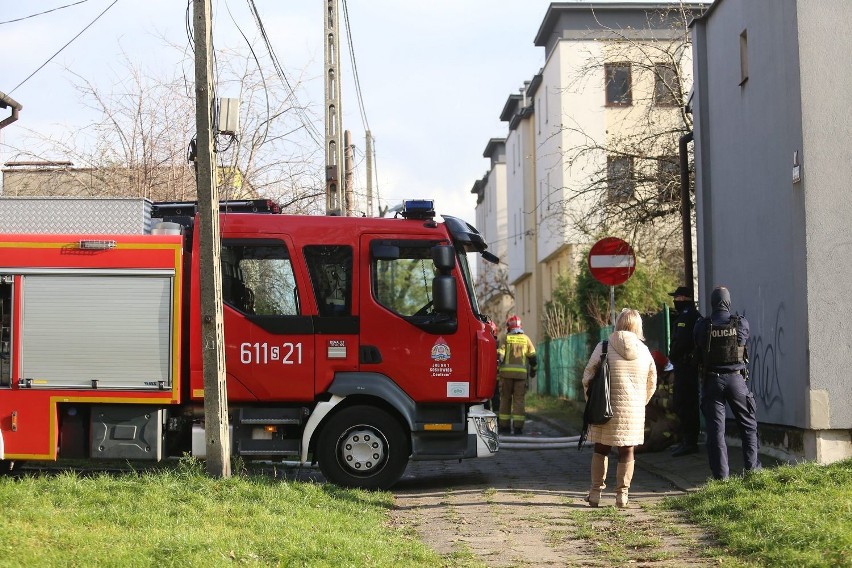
point(418, 209)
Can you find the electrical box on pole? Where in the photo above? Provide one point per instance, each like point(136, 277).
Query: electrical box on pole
point(333, 113)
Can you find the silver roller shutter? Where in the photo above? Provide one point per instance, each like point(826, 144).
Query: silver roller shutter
point(113, 329)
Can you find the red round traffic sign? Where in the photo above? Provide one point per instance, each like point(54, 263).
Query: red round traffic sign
point(611, 261)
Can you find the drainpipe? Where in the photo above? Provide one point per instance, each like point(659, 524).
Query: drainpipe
point(7, 101)
point(685, 209)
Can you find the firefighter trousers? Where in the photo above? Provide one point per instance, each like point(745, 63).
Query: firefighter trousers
point(512, 392)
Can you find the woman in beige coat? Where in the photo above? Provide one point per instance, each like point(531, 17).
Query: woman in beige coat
point(633, 379)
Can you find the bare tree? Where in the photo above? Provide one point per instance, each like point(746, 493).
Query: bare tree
point(630, 182)
point(496, 294)
point(140, 144)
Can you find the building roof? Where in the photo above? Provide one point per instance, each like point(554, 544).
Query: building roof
point(492, 146)
point(582, 19)
point(511, 107)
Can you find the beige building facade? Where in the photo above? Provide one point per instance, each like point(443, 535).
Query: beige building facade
point(609, 81)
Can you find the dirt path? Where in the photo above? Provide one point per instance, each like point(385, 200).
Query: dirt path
point(526, 508)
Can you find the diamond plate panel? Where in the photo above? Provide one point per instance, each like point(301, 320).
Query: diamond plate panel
point(130, 216)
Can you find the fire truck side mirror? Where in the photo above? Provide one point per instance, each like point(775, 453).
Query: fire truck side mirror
point(444, 296)
point(444, 257)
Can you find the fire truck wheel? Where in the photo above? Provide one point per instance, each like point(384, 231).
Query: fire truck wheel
point(363, 447)
point(6, 466)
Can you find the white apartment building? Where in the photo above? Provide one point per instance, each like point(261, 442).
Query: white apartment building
point(609, 75)
point(491, 210)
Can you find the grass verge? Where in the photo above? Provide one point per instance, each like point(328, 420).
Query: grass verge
point(568, 412)
point(792, 515)
point(181, 517)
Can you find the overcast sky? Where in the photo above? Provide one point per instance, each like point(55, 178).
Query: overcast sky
point(434, 75)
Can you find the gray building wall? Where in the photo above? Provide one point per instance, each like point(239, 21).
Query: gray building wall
point(775, 242)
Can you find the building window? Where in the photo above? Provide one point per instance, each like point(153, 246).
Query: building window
point(538, 105)
point(618, 81)
point(668, 178)
point(743, 57)
point(330, 267)
point(619, 178)
point(257, 278)
point(404, 284)
point(665, 85)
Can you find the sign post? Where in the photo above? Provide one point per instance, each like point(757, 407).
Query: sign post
point(611, 262)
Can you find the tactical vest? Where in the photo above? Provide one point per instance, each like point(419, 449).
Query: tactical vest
point(722, 348)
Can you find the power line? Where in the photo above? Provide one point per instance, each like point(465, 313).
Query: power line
point(42, 13)
point(291, 95)
point(64, 46)
point(360, 97)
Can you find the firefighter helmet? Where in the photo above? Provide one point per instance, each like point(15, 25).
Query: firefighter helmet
point(514, 322)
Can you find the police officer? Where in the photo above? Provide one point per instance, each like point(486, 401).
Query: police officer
point(515, 353)
point(721, 343)
point(682, 356)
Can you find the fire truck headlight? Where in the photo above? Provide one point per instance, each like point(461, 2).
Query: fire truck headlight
point(485, 425)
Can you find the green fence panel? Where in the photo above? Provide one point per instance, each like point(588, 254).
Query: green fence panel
point(562, 360)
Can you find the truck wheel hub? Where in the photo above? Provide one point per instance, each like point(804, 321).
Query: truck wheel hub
point(362, 449)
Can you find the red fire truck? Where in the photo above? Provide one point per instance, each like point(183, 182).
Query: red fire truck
point(354, 343)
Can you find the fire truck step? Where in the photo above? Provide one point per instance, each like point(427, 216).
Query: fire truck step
point(272, 415)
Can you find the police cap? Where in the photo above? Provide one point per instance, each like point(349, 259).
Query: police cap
point(683, 291)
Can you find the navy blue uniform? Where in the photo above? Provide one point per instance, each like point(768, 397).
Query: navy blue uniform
point(726, 384)
point(686, 387)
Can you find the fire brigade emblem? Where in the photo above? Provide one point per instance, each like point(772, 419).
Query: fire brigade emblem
point(440, 351)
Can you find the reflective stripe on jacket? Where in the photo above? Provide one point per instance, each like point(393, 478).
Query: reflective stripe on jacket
point(514, 354)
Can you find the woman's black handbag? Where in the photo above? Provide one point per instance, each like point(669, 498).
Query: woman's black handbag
point(598, 408)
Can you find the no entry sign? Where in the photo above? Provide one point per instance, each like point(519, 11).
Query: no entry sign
point(611, 261)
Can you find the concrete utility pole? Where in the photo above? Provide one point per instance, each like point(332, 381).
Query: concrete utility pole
point(333, 113)
point(212, 319)
point(368, 150)
point(348, 160)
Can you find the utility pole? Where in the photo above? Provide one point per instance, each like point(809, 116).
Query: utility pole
point(333, 113)
point(368, 150)
point(217, 442)
point(348, 160)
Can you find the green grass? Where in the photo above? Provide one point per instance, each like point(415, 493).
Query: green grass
point(616, 538)
point(568, 412)
point(788, 516)
point(181, 517)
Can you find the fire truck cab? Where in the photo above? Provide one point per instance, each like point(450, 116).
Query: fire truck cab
point(356, 343)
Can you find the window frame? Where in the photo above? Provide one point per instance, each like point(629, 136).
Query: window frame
point(616, 193)
point(610, 69)
point(248, 302)
point(664, 93)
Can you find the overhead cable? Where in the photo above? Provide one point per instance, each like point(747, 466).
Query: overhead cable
point(291, 95)
point(360, 97)
point(42, 13)
point(40, 67)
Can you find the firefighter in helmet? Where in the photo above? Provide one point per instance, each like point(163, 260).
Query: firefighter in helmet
point(517, 355)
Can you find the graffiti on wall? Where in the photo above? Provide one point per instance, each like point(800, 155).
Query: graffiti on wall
point(764, 354)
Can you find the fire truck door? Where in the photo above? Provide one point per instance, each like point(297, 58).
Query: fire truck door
point(427, 353)
point(333, 280)
point(273, 354)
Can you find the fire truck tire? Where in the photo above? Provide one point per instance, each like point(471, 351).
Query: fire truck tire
point(6, 466)
point(363, 447)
